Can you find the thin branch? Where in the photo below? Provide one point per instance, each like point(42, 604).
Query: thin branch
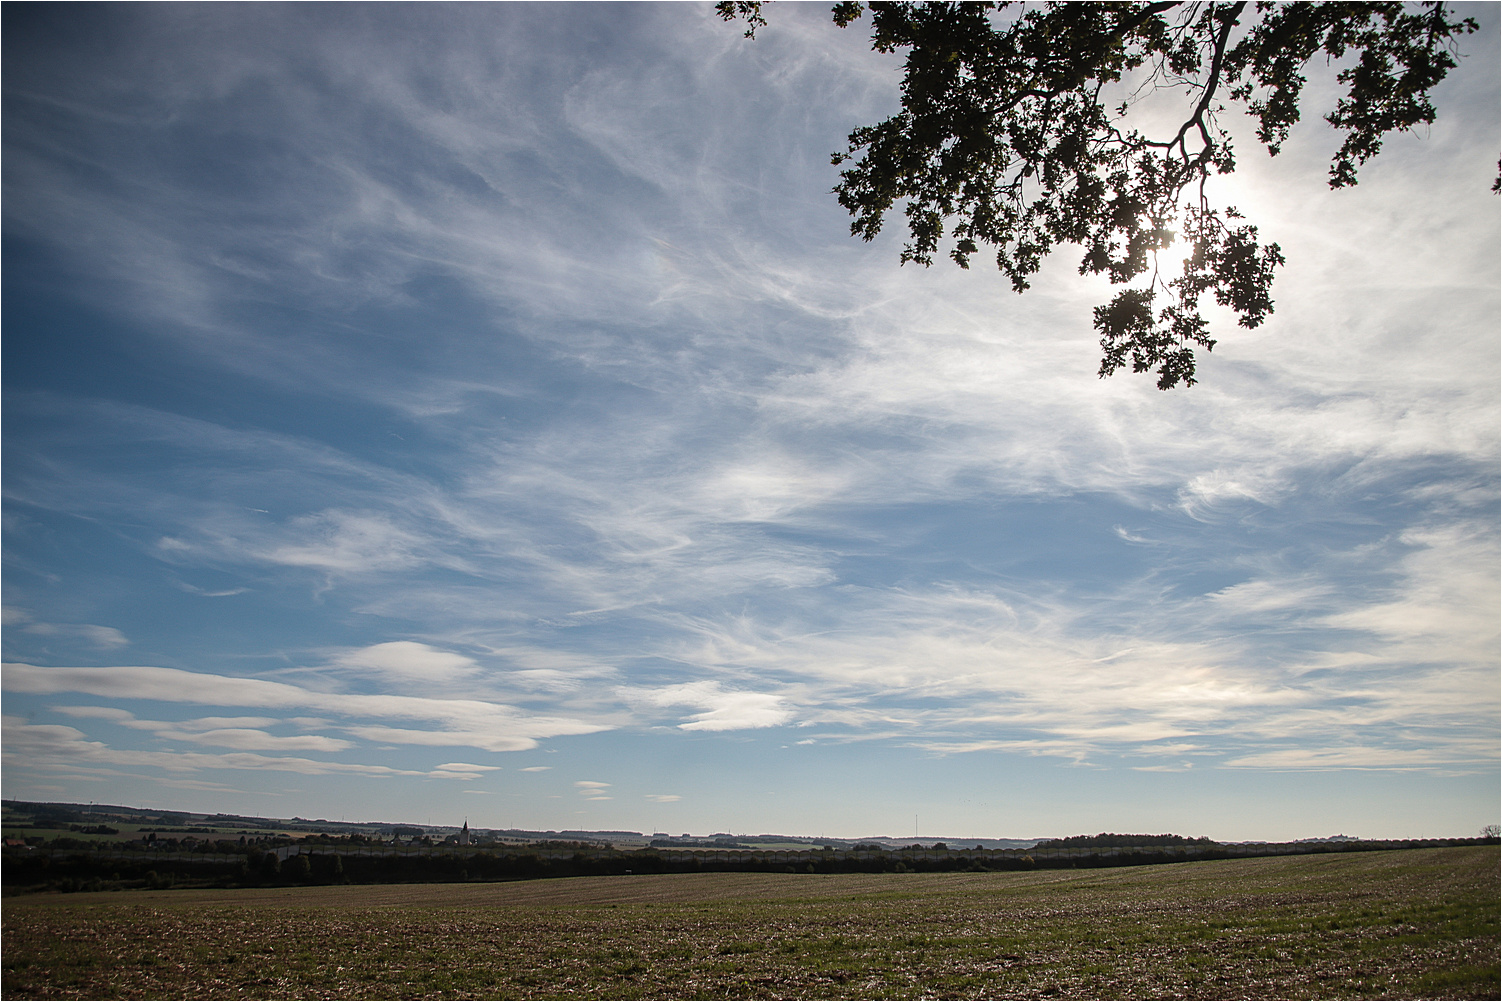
point(1217, 63)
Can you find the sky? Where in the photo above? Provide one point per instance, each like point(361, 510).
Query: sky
point(431, 413)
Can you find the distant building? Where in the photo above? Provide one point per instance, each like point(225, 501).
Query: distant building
point(464, 833)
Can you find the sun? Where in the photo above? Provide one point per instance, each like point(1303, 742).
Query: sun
point(1170, 260)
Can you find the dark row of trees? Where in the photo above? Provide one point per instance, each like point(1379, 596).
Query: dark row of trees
point(94, 870)
point(72, 871)
point(99, 870)
point(155, 843)
point(1110, 840)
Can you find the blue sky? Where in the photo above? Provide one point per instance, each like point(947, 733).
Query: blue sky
point(423, 413)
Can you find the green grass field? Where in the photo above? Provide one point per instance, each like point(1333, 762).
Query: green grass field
point(1411, 924)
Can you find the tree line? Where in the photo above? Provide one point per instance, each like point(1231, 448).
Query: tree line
point(252, 865)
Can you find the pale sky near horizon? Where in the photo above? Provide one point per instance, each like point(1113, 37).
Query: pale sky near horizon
point(426, 413)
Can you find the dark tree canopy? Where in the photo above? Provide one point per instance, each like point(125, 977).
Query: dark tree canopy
point(1004, 140)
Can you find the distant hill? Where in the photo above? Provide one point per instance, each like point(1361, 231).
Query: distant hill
point(120, 814)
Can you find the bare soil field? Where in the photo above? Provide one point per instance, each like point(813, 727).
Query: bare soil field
point(1407, 924)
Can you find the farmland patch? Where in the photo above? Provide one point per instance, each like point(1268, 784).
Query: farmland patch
point(1413, 924)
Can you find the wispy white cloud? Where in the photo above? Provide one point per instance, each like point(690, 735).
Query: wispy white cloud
point(102, 637)
point(721, 709)
point(125, 718)
point(408, 661)
point(250, 739)
point(461, 770)
point(53, 746)
point(556, 401)
point(591, 789)
point(441, 737)
point(460, 721)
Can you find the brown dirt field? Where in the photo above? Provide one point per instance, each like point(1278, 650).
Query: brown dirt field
point(1406, 924)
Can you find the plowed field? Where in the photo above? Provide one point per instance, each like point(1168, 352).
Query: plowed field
point(1418, 923)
